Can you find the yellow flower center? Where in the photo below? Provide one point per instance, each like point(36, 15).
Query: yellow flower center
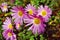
point(36, 21)
point(20, 13)
point(5, 7)
point(44, 13)
point(9, 34)
point(18, 25)
point(30, 12)
point(10, 26)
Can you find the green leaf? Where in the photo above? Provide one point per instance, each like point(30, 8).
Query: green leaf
point(20, 34)
point(29, 32)
point(35, 3)
point(41, 37)
point(47, 1)
point(32, 38)
point(53, 17)
point(42, 1)
point(0, 22)
point(17, 2)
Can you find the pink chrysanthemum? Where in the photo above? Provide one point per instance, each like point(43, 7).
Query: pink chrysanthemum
point(7, 24)
point(30, 9)
point(45, 12)
point(37, 25)
point(18, 14)
point(9, 35)
point(4, 7)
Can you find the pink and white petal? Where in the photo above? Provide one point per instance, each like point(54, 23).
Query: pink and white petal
point(4, 27)
point(39, 30)
point(27, 20)
point(17, 26)
point(14, 17)
point(21, 21)
point(7, 38)
point(25, 16)
point(13, 10)
point(42, 28)
point(29, 24)
point(13, 14)
point(31, 28)
point(34, 30)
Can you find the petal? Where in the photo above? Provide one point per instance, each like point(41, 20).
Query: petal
point(31, 28)
point(27, 20)
point(28, 24)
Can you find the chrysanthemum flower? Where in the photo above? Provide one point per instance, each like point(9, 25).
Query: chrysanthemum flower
point(9, 35)
point(4, 7)
point(7, 24)
point(18, 14)
point(45, 12)
point(37, 25)
point(30, 9)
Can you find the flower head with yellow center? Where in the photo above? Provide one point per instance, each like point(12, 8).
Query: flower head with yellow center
point(8, 34)
point(30, 10)
point(37, 21)
point(37, 24)
point(45, 12)
point(4, 7)
point(18, 14)
point(7, 24)
point(10, 26)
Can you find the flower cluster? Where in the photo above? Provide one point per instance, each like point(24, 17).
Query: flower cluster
point(29, 16)
point(8, 30)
